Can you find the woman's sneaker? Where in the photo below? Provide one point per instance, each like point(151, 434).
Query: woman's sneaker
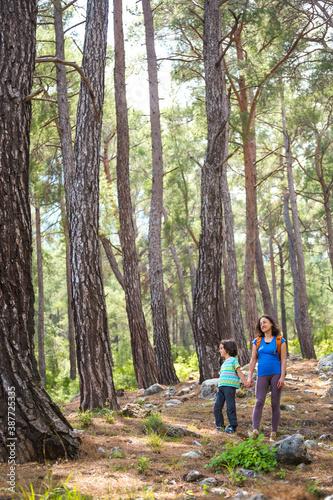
point(230, 430)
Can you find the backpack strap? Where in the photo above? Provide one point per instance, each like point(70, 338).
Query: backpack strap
point(259, 339)
point(278, 344)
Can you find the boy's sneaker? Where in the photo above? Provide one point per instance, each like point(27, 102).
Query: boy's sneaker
point(230, 430)
point(219, 429)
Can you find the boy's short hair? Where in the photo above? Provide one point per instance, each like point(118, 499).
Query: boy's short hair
point(230, 346)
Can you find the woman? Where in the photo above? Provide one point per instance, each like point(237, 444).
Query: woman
point(271, 372)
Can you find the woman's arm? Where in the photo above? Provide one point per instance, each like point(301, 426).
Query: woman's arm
point(253, 363)
point(280, 383)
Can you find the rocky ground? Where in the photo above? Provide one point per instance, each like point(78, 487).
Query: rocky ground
point(114, 454)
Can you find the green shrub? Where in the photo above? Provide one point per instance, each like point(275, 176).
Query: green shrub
point(49, 491)
point(153, 425)
point(124, 376)
point(184, 366)
point(143, 464)
point(250, 454)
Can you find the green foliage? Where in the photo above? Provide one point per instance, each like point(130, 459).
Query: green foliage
point(281, 473)
point(314, 489)
point(124, 376)
point(49, 491)
point(153, 424)
point(249, 454)
point(105, 412)
point(155, 441)
point(86, 418)
point(184, 366)
point(144, 464)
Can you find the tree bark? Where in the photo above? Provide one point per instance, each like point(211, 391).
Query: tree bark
point(306, 341)
point(94, 357)
point(41, 431)
point(293, 265)
point(65, 135)
point(235, 303)
point(162, 347)
point(143, 355)
point(282, 301)
point(40, 327)
point(251, 311)
point(112, 261)
point(207, 299)
point(271, 257)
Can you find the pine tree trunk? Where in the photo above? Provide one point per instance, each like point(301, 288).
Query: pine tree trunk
point(143, 355)
point(271, 257)
point(328, 214)
point(233, 290)
point(112, 261)
point(251, 311)
point(282, 301)
point(306, 340)
point(162, 347)
point(65, 135)
point(40, 328)
point(293, 265)
point(41, 431)
point(265, 293)
point(94, 358)
point(207, 329)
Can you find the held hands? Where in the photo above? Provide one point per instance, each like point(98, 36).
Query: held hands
point(249, 383)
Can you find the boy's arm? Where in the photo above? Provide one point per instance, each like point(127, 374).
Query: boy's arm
point(241, 376)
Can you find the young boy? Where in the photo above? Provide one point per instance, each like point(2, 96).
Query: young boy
point(230, 374)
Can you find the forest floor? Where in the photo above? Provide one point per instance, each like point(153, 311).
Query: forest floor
point(117, 475)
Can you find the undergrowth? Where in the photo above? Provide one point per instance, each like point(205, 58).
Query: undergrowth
point(249, 454)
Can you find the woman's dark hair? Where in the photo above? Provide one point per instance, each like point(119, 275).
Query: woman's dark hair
point(275, 327)
point(230, 346)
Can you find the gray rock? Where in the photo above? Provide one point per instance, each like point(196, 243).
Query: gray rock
point(301, 467)
point(78, 431)
point(149, 405)
point(192, 454)
point(101, 449)
point(153, 389)
point(292, 450)
point(170, 392)
point(290, 407)
point(307, 391)
point(248, 473)
point(258, 496)
point(311, 444)
point(185, 390)
point(324, 437)
point(330, 497)
point(77, 396)
point(330, 391)
point(209, 481)
point(173, 431)
point(241, 495)
point(218, 491)
point(135, 410)
point(196, 443)
point(326, 363)
point(209, 388)
point(193, 476)
point(172, 402)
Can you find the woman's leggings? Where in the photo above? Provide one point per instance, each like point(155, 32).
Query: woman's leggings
point(261, 392)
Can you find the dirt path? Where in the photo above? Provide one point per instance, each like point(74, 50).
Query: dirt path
point(120, 477)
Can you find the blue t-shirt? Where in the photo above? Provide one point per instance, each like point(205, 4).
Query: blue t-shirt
point(268, 357)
